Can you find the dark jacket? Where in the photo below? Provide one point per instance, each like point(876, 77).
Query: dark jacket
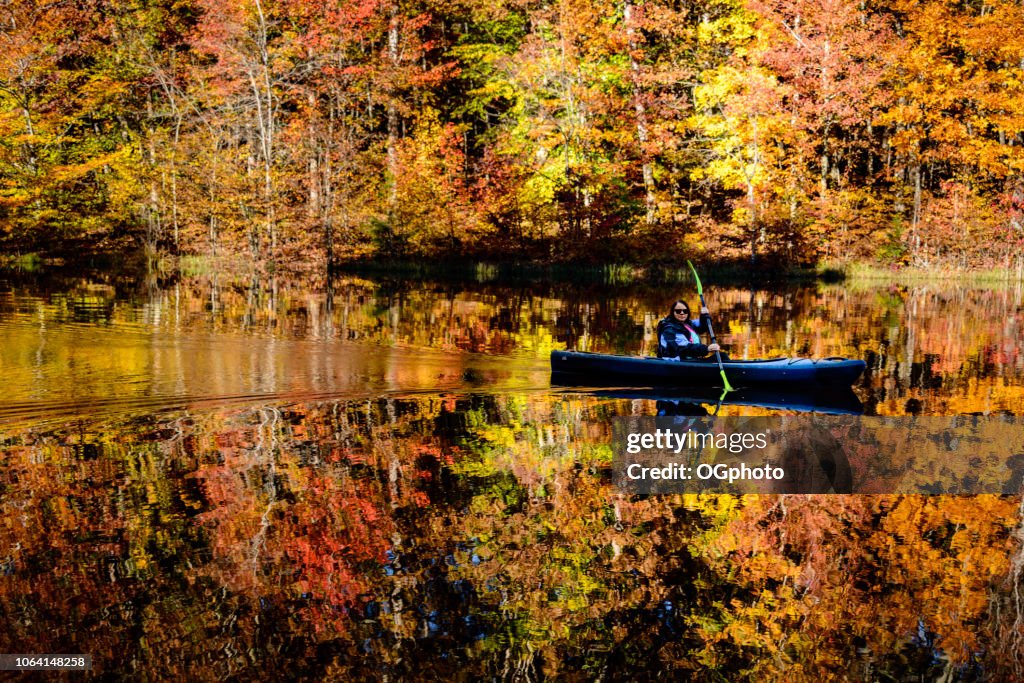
point(675, 338)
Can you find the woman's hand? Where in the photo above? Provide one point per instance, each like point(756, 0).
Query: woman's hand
point(704, 310)
point(714, 347)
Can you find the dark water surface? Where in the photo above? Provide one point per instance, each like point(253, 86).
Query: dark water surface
point(208, 479)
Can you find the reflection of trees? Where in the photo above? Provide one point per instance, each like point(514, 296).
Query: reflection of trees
point(90, 535)
point(839, 580)
point(476, 536)
point(947, 349)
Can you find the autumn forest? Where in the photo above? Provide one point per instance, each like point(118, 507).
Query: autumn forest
point(284, 131)
point(281, 280)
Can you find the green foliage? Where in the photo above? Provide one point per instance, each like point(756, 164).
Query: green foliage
point(894, 250)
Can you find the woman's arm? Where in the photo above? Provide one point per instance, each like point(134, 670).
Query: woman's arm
point(704, 325)
point(667, 344)
point(693, 351)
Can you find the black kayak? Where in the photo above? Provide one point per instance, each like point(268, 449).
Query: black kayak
point(598, 369)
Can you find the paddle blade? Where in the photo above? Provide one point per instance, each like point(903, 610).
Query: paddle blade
point(700, 289)
point(725, 380)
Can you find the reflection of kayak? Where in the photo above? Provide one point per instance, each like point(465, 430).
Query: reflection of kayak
point(569, 367)
point(831, 400)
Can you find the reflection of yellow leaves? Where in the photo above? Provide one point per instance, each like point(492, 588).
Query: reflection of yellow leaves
point(737, 327)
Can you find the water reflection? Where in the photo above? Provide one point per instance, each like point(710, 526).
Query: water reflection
point(826, 400)
point(930, 350)
point(467, 536)
point(205, 479)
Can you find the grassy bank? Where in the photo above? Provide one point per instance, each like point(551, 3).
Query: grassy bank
point(726, 273)
point(868, 272)
point(28, 263)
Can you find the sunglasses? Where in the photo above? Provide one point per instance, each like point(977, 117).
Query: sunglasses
point(682, 310)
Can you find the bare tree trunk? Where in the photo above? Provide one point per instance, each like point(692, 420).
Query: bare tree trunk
point(393, 131)
point(313, 164)
point(825, 128)
point(756, 230)
point(641, 115)
point(752, 201)
point(28, 147)
point(167, 85)
point(917, 195)
point(871, 154)
point(174, 176)
point(153, 222)
point(263, 93)
point(823, 181)
point(327, 190)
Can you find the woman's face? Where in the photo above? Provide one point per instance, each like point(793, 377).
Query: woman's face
point(681, 311)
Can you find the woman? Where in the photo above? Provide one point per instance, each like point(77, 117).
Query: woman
point(679, 337)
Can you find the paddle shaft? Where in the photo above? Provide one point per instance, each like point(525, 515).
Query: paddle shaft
point(711, 333)
point(711, 330)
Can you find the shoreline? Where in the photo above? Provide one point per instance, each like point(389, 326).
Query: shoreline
point(727, 272)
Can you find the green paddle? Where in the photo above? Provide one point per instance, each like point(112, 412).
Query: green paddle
point(711, 331)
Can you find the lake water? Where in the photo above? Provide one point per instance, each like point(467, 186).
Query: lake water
point(374, 478)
